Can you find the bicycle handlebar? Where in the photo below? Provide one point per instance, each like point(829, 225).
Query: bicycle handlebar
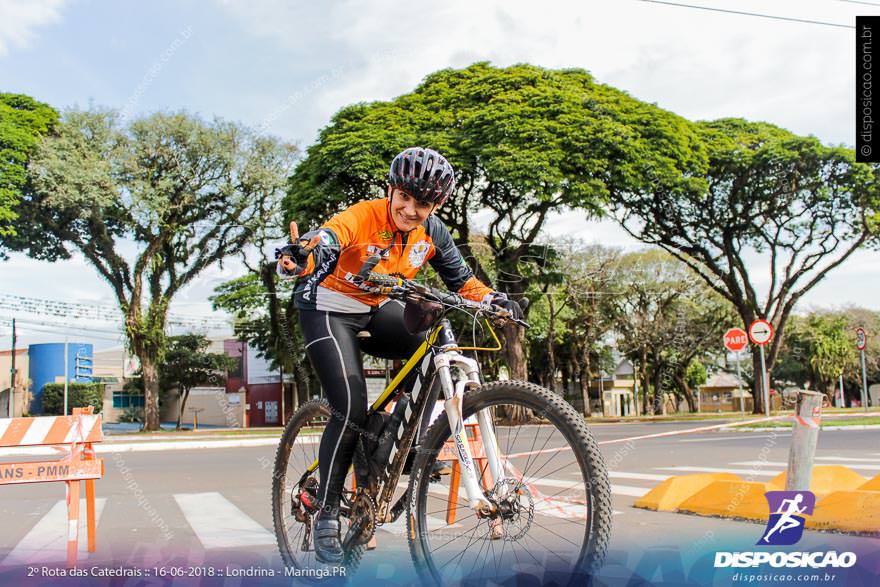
point(400, 288)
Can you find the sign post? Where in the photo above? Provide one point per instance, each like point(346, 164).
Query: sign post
point(761, 333)
point(861, 343)
point(735, 339)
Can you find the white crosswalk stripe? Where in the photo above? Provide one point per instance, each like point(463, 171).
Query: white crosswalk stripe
point(629, 490)
point(875, 467)
point(850, 460)
point(638, 476)
point(218, 523)
point(740, 436)
point(47, 540)
point(398, 528)
point(742, 472)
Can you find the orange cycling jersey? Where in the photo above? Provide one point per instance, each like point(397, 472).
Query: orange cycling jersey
point(363, 230)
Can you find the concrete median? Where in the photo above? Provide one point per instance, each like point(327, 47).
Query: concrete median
point(847, 511)
point(828, 479)
point(671, 493)
point(847, 502)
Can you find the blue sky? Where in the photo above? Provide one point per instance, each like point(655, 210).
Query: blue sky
point(286, 67)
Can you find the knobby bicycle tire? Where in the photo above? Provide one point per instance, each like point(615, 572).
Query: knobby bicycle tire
point(308, 412)
point(568, 422)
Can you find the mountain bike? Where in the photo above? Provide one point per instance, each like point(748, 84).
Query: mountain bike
point(525, 490)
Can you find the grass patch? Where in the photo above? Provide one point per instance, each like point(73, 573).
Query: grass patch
point(867, 421)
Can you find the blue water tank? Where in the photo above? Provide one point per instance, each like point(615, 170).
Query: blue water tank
point(46, 365)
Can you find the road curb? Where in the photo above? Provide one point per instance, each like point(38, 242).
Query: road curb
point(788, 428)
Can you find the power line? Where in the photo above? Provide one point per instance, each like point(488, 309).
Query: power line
point(33, 330)
point(785, 18)
point(859, 2)
point(8, 320)
point(96, 312)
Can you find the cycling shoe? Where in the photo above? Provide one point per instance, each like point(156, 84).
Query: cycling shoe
point(328, 546)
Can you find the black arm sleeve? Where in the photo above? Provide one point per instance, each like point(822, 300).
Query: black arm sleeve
point(447, 260)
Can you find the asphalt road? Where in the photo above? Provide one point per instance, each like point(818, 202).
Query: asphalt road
point(212, 506)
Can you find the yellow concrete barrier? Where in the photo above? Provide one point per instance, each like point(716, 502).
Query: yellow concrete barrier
point(872, 484)
point(730, 499)
point(827, 479)
point(667, 496)
point(848, 511)
point(846, 501)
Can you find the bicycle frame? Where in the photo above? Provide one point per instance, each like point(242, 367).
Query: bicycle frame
point(434, 360)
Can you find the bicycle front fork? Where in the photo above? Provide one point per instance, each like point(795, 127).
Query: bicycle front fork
point(454, 393)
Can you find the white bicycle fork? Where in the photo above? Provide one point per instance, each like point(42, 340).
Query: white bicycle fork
point(454, 393)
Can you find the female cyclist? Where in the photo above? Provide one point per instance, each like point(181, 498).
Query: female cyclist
point(403, 233)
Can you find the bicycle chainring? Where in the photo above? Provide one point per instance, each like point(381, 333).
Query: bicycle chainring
point(363, 513)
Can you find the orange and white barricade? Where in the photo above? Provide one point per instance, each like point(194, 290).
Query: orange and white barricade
point(478, 452)
point(72, 436)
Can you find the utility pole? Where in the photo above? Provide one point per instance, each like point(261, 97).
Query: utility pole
point(12, 376)
point(66, 376)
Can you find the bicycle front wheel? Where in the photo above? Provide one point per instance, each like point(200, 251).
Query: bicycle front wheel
point(554, 519)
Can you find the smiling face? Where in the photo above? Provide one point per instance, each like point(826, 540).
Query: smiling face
point(407, 212)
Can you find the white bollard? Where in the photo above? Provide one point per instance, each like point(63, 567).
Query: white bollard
point(805, 434)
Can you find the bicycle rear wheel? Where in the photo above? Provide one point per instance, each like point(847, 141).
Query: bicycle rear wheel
point(291, 515)
point(555, 519)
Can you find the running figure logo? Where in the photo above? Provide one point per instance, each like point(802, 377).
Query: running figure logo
point(787, 511)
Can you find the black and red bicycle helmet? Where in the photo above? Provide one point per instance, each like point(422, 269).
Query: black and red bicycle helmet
point(422, 173)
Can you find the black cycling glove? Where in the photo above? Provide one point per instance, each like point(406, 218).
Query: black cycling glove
point(295, 251)
point(516, 310)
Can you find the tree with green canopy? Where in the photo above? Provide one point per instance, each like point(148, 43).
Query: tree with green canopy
point(579, 311)
point(188, 364)
point(150, 205)
point(525, 142)
point(819, 347)
point(805, 207)
point(666, 319)
point(23, 121)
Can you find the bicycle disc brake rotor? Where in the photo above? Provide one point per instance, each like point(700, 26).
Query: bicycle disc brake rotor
point(516, 508)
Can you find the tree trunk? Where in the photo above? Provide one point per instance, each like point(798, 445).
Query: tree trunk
point(646, 385)
point(146, 337)
point(565, 376)
point(551, 340)
point(184, 395)
point(658, 388)
point(829, 392)
point(586, 380)
point(758, 389)
point(514, 338)
point(688, 394)
point(151, 392)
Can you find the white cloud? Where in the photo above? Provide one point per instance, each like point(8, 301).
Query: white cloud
point(697, 63)
point(20, 18)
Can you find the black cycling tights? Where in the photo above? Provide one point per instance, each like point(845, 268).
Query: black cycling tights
point(335, 351)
